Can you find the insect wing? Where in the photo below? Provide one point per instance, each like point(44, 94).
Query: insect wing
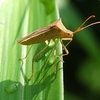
point(39, 35)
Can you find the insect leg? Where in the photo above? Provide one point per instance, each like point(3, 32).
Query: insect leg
point(70, 39)
point(35, 58)
point(64, 46)
point(26, 54)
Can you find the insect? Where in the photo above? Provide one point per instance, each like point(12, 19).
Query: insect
point(54, 31)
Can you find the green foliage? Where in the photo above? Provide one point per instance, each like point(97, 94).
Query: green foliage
point(88, 70)
point(18, 18)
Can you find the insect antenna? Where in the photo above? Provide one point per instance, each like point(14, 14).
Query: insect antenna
point(81, 27)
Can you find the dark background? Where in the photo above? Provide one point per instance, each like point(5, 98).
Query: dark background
point(81, 68)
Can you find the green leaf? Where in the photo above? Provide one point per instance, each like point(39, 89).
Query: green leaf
point(19, 18)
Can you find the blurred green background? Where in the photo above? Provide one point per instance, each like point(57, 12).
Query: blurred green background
point(82, 65)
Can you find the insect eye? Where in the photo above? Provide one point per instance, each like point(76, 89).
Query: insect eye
point(68, 34)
